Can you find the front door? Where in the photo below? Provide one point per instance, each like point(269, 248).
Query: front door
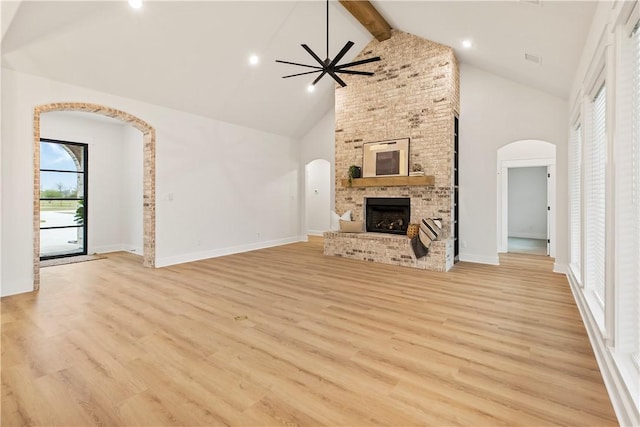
point(63, 201)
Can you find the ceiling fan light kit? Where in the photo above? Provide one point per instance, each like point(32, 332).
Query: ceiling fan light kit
point(329, 66)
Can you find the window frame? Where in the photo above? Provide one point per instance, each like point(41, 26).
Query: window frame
point(85, 182)
point(576, 187)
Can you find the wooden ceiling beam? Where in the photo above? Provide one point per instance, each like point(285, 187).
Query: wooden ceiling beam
point(369, 17)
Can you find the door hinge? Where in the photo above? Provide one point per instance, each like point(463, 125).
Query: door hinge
point(548, 208)
point(548, 175)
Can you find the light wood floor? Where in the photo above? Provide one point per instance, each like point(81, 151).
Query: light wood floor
point(286, 336)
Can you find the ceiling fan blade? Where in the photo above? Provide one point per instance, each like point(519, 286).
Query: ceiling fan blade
point(341, 53)
point(318, 78)
point(301, 65)
point(360, 73)
point(336, 78)
point(362, 61)
point(301, 74)
point(312, 53)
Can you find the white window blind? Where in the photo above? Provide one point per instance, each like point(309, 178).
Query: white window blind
point(575, 177)
point(627, 217)
point(634, 283)
point(627, 186)
point(595, 197)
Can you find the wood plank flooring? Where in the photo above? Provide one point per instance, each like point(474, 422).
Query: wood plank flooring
point(286, 336)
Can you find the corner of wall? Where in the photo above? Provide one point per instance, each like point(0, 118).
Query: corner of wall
point(561, 268)
point(479, 259)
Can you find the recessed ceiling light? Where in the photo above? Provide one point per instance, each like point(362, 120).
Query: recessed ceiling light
point(136, 4)
point(466, 44)
point(253, 60)
point(311, 88)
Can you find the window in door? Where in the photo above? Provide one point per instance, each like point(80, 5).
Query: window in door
point(63, 201)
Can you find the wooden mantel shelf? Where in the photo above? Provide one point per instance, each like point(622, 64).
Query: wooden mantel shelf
point(391, 181)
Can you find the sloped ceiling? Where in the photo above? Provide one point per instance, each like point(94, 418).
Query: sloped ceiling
point(193, 56)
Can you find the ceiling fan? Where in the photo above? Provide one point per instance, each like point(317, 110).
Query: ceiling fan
point(328, 66)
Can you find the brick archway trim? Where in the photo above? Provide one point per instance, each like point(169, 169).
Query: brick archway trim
point(149, 176)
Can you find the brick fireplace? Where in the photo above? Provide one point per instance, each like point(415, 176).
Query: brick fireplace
point(414, 94)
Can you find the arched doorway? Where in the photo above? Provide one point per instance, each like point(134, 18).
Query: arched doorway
point(149, 151)
point(317, 196)
point(516, 156)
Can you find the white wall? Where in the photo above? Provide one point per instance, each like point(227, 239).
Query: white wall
point(1, 151)
point(109, 185)
point(319, 143)
point(528, 202)
point(527, 150)
point(494, 112)
point(318, 196)
point(8, 10)
point(220, 188)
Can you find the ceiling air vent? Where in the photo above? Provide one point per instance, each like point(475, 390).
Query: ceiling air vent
point(535, 2)
point(532, 58)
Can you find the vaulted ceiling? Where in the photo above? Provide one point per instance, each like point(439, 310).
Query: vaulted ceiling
point(193, 56)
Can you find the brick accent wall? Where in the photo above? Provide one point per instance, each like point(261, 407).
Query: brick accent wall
point(414, 93)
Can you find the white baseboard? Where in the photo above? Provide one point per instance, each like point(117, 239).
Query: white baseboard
point(104, 249)
point(623, 403)
point(315, 232)
point(529, 236)
point(560, 268)
point(196, 256)
point(121, 247)
point(136, 250)
point(479, 259)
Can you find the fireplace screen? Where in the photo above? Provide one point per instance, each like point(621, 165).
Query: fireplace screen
point(388, 214)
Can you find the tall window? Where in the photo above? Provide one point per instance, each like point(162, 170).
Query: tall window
point(63, 188)
point(627, 187)
point(575, 177)
point(595, 198)
point(626, 289)
point(634, 283)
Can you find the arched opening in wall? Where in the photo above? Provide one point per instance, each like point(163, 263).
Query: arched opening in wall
point(134, 130)
point(526, 198)
point(317, 198)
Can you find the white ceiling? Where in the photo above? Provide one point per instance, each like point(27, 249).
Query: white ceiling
point(193, 56)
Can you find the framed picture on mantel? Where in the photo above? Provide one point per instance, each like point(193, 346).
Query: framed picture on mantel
point(386, 158)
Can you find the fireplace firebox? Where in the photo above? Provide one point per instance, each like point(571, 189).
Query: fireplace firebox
point(388, 214)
